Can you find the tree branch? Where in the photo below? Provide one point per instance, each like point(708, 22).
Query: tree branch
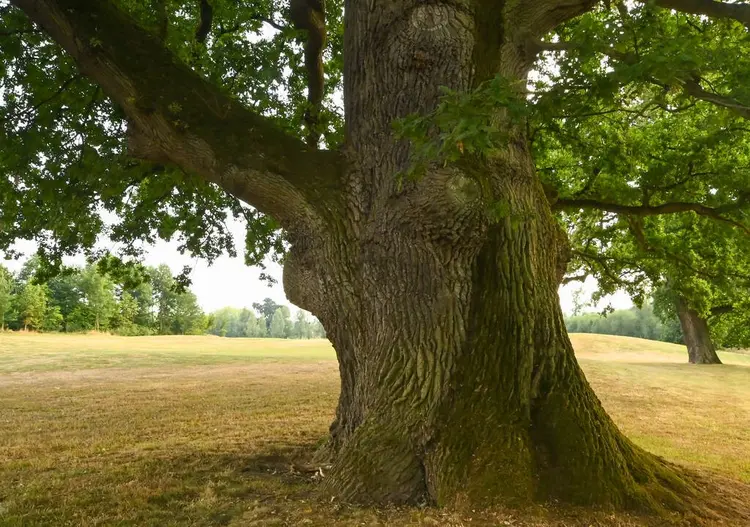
point(736, 11)
point(177, 116)
point(553, 46)
point(693, 88)
point(575, 278)
point(206, 19)
point(309, 16)
point(655, 210)
point(270, 22)
point(721, 310)
point(542, 16)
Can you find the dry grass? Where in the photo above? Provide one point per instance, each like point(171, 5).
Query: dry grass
point(99, 430)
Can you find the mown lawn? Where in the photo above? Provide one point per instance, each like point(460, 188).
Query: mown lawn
point(99, 430)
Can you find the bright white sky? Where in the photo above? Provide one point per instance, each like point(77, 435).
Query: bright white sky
point(228, 282)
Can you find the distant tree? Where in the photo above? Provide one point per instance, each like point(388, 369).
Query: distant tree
point(318, 331)
point(6, 294)
point(65, 293)
point(143, 294)
point(165, 297)
point(302, 326)
point(187, 317)
point(226, 323)
point(99, 294)
point(29, 269)
point(267, 309)
point(279, 324)
point(32, 305)
point(633, 322)
point(125, 313)
point(82, 318)
point(53, 319)
point(255, 327)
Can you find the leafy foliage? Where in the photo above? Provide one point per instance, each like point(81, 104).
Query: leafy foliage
point(83, 299)
point(623, 129)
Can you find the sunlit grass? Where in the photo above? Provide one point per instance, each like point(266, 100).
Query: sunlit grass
point(99, 430)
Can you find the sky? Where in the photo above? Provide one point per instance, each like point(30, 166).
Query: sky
point(229, 282)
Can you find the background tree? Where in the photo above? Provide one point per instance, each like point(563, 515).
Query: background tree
point(125, 313)
point(279, 324)
point(188, 317)
point(6, 295)
point(302, 326)
point(266, 309)
point(434, 261)
point(65, 293)
point(165, 296)
point(32, 305)
point(634, 322)
point(143, 294)
point(255, 327)
point(652, 183)
point(226, 323)
point(99, 295)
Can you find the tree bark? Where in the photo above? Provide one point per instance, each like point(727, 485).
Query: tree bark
point(458, 381)
point(697, 337)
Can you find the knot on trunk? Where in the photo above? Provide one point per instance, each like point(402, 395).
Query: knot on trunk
point(433, 37)
point(142, 146)
point(303, 283)
point(443, 205)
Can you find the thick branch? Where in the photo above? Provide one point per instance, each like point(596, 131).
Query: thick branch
point(721, 310)
point(175, 115)
point(654, 210)
point(693, 88)
point(309, 16)
point(690, 85)
point(575, 278)
point(542, 16)
point(737, 11)
point(204, 24)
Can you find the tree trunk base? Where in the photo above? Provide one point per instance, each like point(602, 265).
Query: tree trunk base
point(473, 464)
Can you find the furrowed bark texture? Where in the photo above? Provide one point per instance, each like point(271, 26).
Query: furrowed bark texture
point(697, 337)
point(458, 381)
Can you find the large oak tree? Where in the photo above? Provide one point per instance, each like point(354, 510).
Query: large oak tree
point(433, 263)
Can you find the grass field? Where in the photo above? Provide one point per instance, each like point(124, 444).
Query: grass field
point(99, 430)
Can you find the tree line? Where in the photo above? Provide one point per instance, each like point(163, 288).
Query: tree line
point(658, 319)
point(634, 322)
point(85, 298)
point(273, 320)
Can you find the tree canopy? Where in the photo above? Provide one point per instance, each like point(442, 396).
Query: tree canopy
point(637, 116)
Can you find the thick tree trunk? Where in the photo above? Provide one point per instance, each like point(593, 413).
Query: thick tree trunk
point(458, 381)
point(697, 337)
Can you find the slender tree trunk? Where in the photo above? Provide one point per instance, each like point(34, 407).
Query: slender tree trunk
point(458, 381)
point(697, 337)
